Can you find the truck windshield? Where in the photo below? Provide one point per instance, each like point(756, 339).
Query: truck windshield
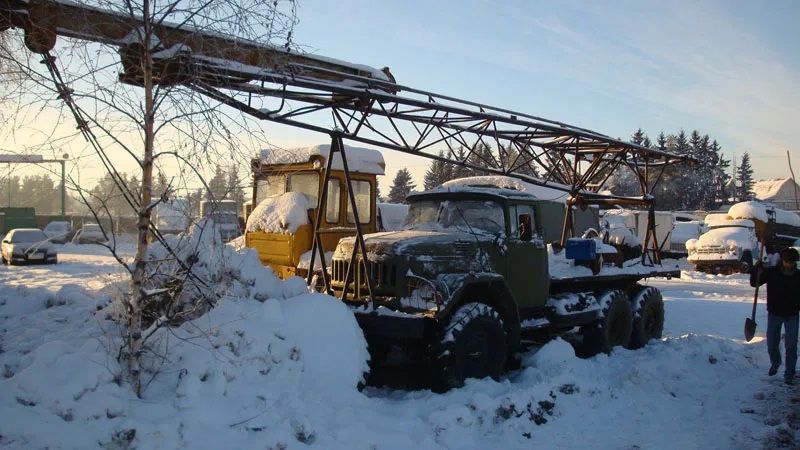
point(717, 227)
point(305, 183)
point(460, 214)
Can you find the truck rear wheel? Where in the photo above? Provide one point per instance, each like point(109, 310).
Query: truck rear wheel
point(473, 345)
point(648, 316)
point(613, 328)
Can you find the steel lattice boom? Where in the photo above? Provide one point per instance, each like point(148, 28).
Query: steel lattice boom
point(357, 103)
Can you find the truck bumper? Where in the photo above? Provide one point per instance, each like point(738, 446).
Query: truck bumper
point(381, 326)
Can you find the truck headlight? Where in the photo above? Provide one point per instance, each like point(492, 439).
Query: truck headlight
point(422, 290)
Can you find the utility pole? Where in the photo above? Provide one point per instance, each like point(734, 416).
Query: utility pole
point(794, 182)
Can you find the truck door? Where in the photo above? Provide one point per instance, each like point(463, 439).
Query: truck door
point(526, 260)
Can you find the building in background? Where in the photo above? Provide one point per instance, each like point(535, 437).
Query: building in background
point(781, 192)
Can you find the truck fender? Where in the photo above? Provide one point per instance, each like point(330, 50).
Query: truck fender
point(489, 288)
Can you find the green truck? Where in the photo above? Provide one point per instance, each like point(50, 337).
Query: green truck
point(469, 282)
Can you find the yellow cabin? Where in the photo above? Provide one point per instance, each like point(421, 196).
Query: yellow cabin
point(287, 247)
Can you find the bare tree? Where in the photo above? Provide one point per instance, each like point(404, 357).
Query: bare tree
point(149, 121)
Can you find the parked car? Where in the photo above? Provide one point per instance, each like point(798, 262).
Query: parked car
point(90, 233)
point(59, 232)
point(28, 245)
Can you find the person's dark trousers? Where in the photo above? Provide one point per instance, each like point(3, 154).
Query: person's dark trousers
point(774, 325)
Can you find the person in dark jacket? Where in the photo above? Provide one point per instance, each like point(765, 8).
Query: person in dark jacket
point(783, 305)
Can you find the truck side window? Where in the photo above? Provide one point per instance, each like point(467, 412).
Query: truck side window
point(332, 201)
point(269, 186)
point(363, 192)
point(523, 225)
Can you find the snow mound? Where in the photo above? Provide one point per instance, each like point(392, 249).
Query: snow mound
point(247, 374)
point(359, 159)
point(758, 210)
point(280, 214)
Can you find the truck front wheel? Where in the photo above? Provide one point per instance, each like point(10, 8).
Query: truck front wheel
point(472, 345)
point(648, 316)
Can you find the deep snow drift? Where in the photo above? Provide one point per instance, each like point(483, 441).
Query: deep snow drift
point(282, 373)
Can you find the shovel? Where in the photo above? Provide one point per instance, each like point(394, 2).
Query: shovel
point(750, 322)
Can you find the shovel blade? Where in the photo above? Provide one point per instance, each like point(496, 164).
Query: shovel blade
point(749, 329)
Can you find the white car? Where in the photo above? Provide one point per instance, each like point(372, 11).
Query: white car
point(727, 246)
point(90, 233)
point(28, 245)
point(58, 232)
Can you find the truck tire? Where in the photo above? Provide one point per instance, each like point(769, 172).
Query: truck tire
point(472, 345)
point(648, 316)
point(614, 326)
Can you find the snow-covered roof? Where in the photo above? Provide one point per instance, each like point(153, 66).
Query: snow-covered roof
point(770, 189)
point(758, 210)
point(509, 183)
point(359, 159)
point(746, 223)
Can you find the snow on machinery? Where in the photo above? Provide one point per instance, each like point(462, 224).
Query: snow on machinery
point(280, 226)
point(732, 240)
point(469, 281)
point(367, 106)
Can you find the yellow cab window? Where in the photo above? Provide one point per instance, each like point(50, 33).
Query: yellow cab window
point(362, 191)
point(332, 201)
point(269, 186)
point(305, 183)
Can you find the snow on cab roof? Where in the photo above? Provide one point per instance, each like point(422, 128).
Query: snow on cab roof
point(747, 223)
point(757, 210)
point(359, 159)
point(509, 185)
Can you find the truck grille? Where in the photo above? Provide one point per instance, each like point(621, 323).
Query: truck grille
point(710, 250)
point(382, 274)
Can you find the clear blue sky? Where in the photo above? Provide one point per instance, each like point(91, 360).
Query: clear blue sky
point(731, 69)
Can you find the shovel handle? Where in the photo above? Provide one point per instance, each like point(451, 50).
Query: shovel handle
point(760, 270)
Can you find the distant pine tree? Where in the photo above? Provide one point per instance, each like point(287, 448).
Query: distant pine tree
point(438, 172)
point(457, 171)
point(744, 178)
point(721, 177)
point(638, 137)
point(401, 186)
point(661, 142)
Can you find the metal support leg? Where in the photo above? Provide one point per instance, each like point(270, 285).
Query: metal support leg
point(316, 245)
point(359, 241)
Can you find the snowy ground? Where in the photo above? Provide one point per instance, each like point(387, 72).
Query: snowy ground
point(270, 375)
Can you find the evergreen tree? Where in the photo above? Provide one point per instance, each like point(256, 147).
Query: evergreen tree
point(401, 186)
point(457, 171)
point(721, 177)
point(744, 178)
point(638, 137)
point(217, 185)
point(233, 188)
point(481, 156)
point(661, 142)
point(438, 172)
